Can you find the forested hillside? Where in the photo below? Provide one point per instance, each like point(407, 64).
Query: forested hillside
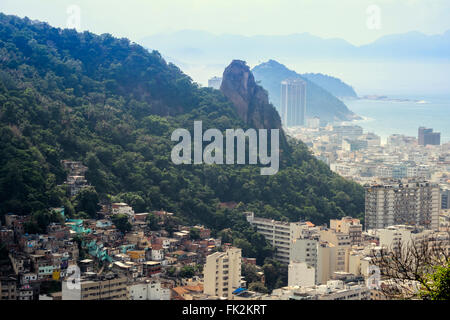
point(113, 105)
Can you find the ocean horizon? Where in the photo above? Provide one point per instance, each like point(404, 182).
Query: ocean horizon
point(387, 117)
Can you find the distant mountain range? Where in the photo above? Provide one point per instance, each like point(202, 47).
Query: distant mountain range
point(319, 101)
point(191, 45)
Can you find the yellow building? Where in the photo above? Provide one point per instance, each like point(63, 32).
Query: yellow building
point(136, 255)
point(222, 273)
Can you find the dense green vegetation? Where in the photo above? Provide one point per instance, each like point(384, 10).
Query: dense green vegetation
point(275, 275)
point(40, 220)
point(121, 222)
point(254, 281)
point(86, 203)
point(113, 105)
point(437, 285)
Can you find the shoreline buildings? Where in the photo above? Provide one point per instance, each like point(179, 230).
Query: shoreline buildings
point(426, 136)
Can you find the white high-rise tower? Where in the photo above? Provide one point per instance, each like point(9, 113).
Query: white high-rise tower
point(293, 102)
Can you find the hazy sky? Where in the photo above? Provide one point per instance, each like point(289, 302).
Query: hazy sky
point(346, 19)
point(357, 21)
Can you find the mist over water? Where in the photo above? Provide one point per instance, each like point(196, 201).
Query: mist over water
point(366, 77)
point(394, 77)
point(390, 117)
point(414, 80)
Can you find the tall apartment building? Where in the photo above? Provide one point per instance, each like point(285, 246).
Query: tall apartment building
point(302, 251)
point(98, 288)
point(215, 82)
point(427, 136)
point(301, 274)
point(350, 226)
point(222, 273)
point(445, 198)
point(326, 261)
point(341, 242)
point(324, 257)
point(280, 234)
point(293, 102)
point(359, 260)
point(409, 203)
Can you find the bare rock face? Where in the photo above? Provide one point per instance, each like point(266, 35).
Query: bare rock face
point(250, 100)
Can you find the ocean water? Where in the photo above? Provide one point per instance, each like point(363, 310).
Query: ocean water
point(390, 117)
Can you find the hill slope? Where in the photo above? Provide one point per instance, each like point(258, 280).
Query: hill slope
point(113, 105)
point(333, 85)
point(319, 102)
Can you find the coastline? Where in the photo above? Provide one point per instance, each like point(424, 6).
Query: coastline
point(387, 117)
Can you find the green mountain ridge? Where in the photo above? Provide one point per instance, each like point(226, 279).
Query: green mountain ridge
point(113, 105)
point(319, 102)
point(333, 85)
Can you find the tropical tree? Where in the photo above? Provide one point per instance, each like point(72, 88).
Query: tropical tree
point(415, 269)
point(121, 222)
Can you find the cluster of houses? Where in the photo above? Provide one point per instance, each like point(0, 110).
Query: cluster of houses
point(93, 250)
point(91, 259)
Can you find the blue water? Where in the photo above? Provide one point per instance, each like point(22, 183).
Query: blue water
point(389, 117)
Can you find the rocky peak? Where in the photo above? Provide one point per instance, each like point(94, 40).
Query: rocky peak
point(250, 100)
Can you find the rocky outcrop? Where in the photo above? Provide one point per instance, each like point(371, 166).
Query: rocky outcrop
point(250, 100)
